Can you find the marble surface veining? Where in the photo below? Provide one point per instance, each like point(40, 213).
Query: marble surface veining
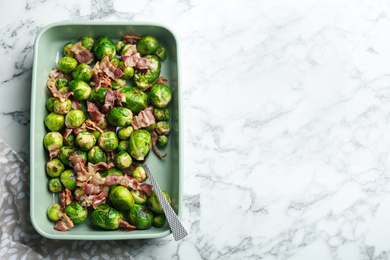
point(287, 121)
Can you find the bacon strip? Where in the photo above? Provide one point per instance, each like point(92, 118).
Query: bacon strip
point(81, 54)
point(54, 150)
point(79, 129)
point(93, 126)
point(131, 56)
point(145, 63)
point(153, 135)
point(57, 74)
point(127, 226)
point(51, 85)
point(64, 223)
point(75, 104)
point(100, 80)
point(130, 170)
point(94, 112)
point(111, 97)
point(130, 39)
point(145, 118)
point(110, 70)
point(128, 182)
point(67, 132)
point(65, 198)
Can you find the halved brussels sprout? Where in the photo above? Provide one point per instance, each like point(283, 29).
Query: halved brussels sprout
point(54, 168)
point(74, 118)
point(98, 97)
point(161, 114)
point(67, 151)
point(139, 174)
point(87, 42)
point(55, 185)
point(62, 82)
point(160, 96)
point(159, 221)
point(154, 204)
point(69, 179)
point(106, 217)
point(108, 141)
point(163, 128)
point(141, 217)
point(147, 45)
point(52, 138)
point(67, 51)
point(143, 79)
point(81, 90)
point(104, 47)
point(139, 144)
point(123, 146)
point(139, 197)
point(55, 122)
point(161, 53)
point(76, 212)
point(162, 140)
point(136, 100)
point(122, 160)
point(67, 64)
point(96, 155)
point(121, 198)
point(82, 72)
point(125, 133)
point(119, 116)
point(50, 104)
point(85, 140)
point(62, 108)
point(53, 210)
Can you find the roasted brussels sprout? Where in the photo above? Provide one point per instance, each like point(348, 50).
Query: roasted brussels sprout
point(123, 146)
point(53, 210)
point(139, 144)
point(54, 122)
point(163, 128)
point(55, 185)
point(62, 82)
point(139, 174)
point(159, 221)
point(87, 42)
point(129, 71)
point(119, 116)
point(54, 168)
point(98, 97)
point(104, 46)
point(161, 114)
point(139, 197)
point(121, 198)
point(160, 96)
point(82, 72)
point(143, 79)
point(122, 160)
point(96, 134)
point(147, 45)
point(125, 133)
point(67, 64)
point(154, 204)
point(106, 217)
point(108, 141)
point(53, 138)
point(67, 151)
point(69, 179)
point(136, 100)
point(119, 46)
point(161, 53)
point(162, 140)
point(69, 140)
point(118, 84)
point(62, 108)
point(76, 212)
point(81, 90)
point(74, 118)
point(67, 51)
point(50, 104)
point(141, 217)
point(151, 127)
point(96, 155)
point(85, 140)
point(115, 62)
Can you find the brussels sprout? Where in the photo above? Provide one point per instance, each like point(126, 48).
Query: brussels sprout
point(104, 47)
point(106, 217)
point(122, 160)
point(69, 179)
point(147, 45)
point(96, 133)
point(162, 140)
point(118, 84)
point(111, 172)
point(123, 146)
point(82, 72)
point(139, 144)
point(139, 174)
point(53, 138)
point(115, 62)
point(121, 198)
point(67, 51)
point(163, 128)
point(55, 185)
point(87, 42)
point(67, 151)
point(108, 141)
point(161, 114)
point(159, 221)
point(98, 97)
point(54, 122)
point(85, 140)
point(62, 82)
point(119, 116)
point(54, 168)
point(129, 71)
point(62, 108)
point(53, 210)
point(67, 64)
point(151, 127)
point(154, 204)
point(141, 217)
point(76, 212)
point(50, 104)
point(139, 197)
point(81, 90)
point(69, 140)
point(136, 100)
point(63, 89)
point(143, 79)
point(161, 53)
point(74, 118)
point(119, 46)
point(96, 155)
point(125, 133)
point(160, 96)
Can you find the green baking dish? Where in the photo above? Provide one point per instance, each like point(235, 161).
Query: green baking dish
point(168, 171)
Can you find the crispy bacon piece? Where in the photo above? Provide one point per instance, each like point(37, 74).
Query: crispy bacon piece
point(128, 182)
point(161, 80)
point(81, 54)
point(93, 200)
point(145, 118)
point(57, 74)
point(64, 223)
point(65, 198)
point(153, 135)
point(94, 112)
point(51, 85)
point(127, 226)
point(79, 129)
point(130, 39)
point(110, 70)
point(67, 132)
point(54, 150)
point(93, 126)
point(111, 97)
point(75, 104)
point(100, 80)
point(145, 63)
point(131, 56)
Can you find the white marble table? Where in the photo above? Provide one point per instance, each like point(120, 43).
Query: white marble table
point(287, 121)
